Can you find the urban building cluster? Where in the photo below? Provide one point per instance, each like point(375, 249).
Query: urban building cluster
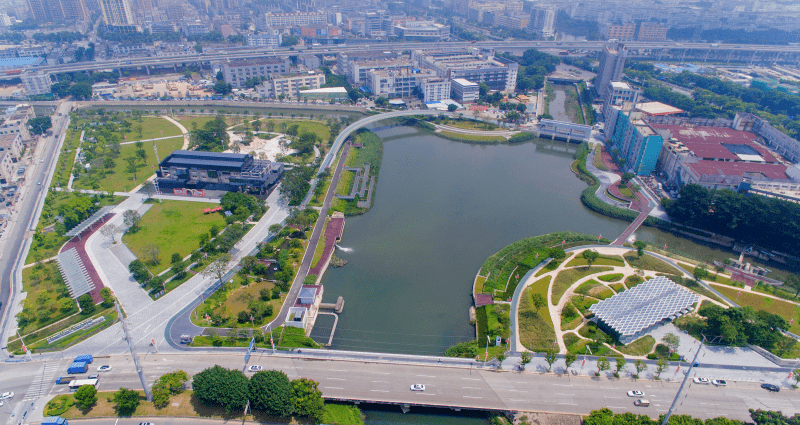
point(14, 135)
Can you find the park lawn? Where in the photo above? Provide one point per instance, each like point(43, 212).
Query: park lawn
point(567, 277)
point(582, 303)
point(594, 289)
point(648, 262)
point(320, 248)
point(598, 159)
point(174, 226)
point(497, 320)
point(613, 277)
point(626, 192)
point(120, 178)
point(536, 330)
point(342, 414)
point(479, 281)
point(576, 345)
point(640, 347)
point(471, 125)
point(320, 128)
point(632, 281)
point(603, 260)
point(45, 288)
point(785, 309)
point(110, 318)
point(291, 337)
point(617, 287)
point(570, 318)
point(152, 127)
point(187, 120)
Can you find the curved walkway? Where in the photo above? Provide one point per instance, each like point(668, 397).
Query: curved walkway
point(451, 129)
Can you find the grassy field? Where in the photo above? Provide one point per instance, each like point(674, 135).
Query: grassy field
point(173, 226)
point(470, 124)
point(342, 414)
point(570, 318)
point(598, 158)
point(787, 310)
point(640, 347)
point(611, 277)
point(200, 121)
point(120, 178)
point(236, 298)
point(152, 127)
point(603, 260)
point(320, 248)
point(618, 287)
point(594, 289)
point(48, 299)
point(536, 330)
point(472, 138)
point(648, 262)
point(566, 278)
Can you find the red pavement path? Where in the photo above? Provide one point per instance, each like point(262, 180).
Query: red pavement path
point(79, 243)
point(632, 228)
point(333, 231)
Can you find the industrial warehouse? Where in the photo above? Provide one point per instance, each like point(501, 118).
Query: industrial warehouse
point(232, 172)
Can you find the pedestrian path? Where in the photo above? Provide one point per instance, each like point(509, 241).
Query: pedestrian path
point(40, 385)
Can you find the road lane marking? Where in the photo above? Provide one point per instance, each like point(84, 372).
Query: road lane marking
point(616, 407)
point(564, 394)
point(382, 381)
point(568, 404)
point(562, 385)
point(381, 373)
point(426, 376)
point(337, 370)
point(472, 379)
point(337, 379)
point(518, 399)
point(379, 391)
point(466, 396)
point(517, 391)
point(610, 397)
point(333, 388)
point(471, 388)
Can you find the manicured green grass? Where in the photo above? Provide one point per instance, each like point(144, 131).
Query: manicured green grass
point(613, 277)
point(295, 338)
point(152, 127)
point(618, 287)
point(595, 289)
point(45, 291)
point(632, 281)
point(498, 322)
point(626, 192)
point(787, 310)
point(342, 414)
point(479, 281)
point(120, 178)
point(473, 138)
point(320, 248)
point(576, 345)
point(598, 159)
point(570, 318)
point(173, 226)
point(583, 303)
point(603, 260)
point(187, 120)
point(470, 124)
point(536, 330)
point(640, 347)
point(567, 277)
point(648, 262)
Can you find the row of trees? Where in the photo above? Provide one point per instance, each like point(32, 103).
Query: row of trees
point(760, 417)
point(767, 222)
point(740, 326)
point(269, 391)
point(213, 136)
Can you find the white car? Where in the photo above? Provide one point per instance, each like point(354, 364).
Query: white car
point(719, 383)
point(704, 381)
point(635, 393)
point(6, 396)
point(418, 387)
point(254, 368)
point(104, 368)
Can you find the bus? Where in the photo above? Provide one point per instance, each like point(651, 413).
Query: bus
point(74, 385)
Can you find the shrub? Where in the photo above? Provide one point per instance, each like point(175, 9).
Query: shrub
point(59, 405)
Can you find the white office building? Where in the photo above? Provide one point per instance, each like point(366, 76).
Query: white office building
point(465, 91)
point(36, 83)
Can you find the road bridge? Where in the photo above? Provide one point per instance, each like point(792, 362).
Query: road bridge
point(662, 50)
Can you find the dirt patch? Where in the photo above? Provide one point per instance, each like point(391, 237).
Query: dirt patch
point(541, 418)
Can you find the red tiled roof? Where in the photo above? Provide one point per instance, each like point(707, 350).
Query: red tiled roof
point(706, 142)
point(772, 171)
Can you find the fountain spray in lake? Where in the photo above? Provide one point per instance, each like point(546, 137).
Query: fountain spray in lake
point(344, 249)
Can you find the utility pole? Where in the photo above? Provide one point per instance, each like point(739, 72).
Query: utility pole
point(685, 378)
point(134, 356)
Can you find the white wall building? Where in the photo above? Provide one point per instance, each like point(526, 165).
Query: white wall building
point(436, 89)
point(291, 85)
point(36, 83)
point(271, 38)
point(465, 91)
point(237, 72)
point(292, 19)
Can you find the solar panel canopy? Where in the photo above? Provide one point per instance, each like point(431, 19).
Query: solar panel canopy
point(631, 314)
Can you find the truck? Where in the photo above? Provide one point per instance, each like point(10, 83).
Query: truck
point(61, 380)
point(714, 44)
point(54, 420)
point(84, 358)
point(78, 367)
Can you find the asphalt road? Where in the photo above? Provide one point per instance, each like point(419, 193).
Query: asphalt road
point(445, 386)
point(25, 213)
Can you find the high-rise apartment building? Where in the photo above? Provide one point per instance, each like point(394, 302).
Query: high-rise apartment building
point(57, 10)
point(116, 12)
point(620, 32)
point(651, 31)
point(611, 64)
point(543, 20)
point(291, 19)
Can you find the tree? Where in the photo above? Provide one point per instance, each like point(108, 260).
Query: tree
point(640, 246)
point(550, 356)
point(793, 281)
point(590, 256)
point(175, 258)
point(149, 188)
point(219, 267)
point(271, 391)
point(672, 341)
point(619, 365)
point(108, 297)
point(86, 396)
point(602, 365)
point(153, 253)
point(700, 273)
point(40, 125)
point(661, 366)
point(525, 358)
point(538, 301)
point(220, 76)
point(221, 87)
point(80, 91)
point(127, 401)
point(217, 386)
point(248, 263)
point(295, 183)
point(796, 377)
point(640, 366)
point(86, 303)
point(139, 129)
point(131, 219)
point(110, 231)
point(500, 358)
point(166, 385)
point(308, 400)
point(452, 108)
point(139, 271)
point(569, 359)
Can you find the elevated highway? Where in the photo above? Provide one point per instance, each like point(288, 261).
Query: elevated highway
point(654, 49)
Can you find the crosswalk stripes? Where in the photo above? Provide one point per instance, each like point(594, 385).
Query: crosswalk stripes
point(43, 380)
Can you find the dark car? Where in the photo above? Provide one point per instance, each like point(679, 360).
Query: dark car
point(770, 387)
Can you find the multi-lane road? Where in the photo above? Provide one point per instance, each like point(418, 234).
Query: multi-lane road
point(25, 213)
point(453, 387)
point(226, 54)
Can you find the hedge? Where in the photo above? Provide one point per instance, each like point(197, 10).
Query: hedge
point(482, 322)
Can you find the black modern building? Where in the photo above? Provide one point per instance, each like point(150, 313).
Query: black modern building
point(233, 172)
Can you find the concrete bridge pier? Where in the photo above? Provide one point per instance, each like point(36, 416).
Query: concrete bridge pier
point(119, 70)
point(405, 408)
point(147, 68)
